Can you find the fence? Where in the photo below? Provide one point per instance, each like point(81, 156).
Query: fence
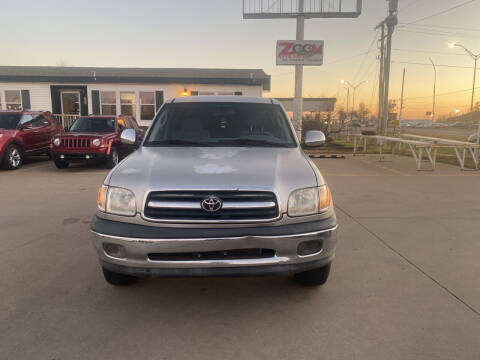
point(66, 119)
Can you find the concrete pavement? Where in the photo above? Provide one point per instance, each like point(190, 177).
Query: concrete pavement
point(404, 284)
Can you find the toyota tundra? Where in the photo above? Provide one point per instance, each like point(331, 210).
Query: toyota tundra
point(218, 187)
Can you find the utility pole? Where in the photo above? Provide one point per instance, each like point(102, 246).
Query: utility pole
point(390, 21)
point(434, 88)
point(297, 116)
point(380, 78)
point(401, 100)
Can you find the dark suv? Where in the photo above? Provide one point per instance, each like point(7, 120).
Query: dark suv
point(94, 138)
point(24, 133)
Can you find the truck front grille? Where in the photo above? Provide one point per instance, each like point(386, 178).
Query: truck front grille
point(187, 206)
point(75, 143)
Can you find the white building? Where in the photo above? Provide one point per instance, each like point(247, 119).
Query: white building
point(70, 92)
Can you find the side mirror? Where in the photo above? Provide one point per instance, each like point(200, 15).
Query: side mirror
point(314, 138)
point(128, 136)
point(65, 128)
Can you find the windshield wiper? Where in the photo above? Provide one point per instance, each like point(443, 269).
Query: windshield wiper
point(179, 142)
point(253, 142)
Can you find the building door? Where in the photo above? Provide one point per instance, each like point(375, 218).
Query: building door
point(70, 102)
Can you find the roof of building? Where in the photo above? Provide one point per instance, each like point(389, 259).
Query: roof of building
point(62, 74)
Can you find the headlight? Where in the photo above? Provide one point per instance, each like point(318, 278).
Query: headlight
point(96, 142)
point(56, 142)
point(117, 201)
point(309, 201)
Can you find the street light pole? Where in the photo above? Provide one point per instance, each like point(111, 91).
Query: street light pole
point(475, 57)
point(434, 88)
point(354, 87)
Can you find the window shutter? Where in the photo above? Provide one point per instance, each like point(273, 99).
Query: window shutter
point(26, 100)
point(96, 102)
point(158, 99)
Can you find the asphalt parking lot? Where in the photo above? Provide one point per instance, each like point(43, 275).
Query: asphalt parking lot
point(404, 285)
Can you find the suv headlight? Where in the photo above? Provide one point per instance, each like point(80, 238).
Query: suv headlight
point(96, 142)
point(309, 201)
point(56, 142)
point(117, 201)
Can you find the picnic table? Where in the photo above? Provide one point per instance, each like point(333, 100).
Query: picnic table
point(417, 147)
point(473, 148)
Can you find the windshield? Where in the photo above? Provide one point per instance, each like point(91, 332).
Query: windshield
point(221, 124)
point(93, 124)
point(9, 121)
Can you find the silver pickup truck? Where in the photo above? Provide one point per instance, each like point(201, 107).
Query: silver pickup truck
point(219, 187)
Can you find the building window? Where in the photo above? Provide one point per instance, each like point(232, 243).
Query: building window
point(108, 102)
point(147, 105)
point(13, 100)
point(127, 103)
point(238, 93)
point(193, 93)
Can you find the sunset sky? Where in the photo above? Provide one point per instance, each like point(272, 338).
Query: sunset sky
point(212, 33)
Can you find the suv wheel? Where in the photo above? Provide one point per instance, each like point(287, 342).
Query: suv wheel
point(113, 158)
point(314, 277)
point(61, 164)
point(13, 157)
point(117, 279)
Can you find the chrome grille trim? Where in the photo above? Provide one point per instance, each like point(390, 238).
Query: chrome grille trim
point(185, 206)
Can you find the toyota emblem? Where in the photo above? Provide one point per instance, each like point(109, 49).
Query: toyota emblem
point(211, 204)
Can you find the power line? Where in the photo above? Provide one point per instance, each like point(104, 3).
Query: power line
point(409, 5)
point(441, 12)
point(431, 52)
point(440, 94)
point(429, 32)
point(440, 65)
point(438, 26)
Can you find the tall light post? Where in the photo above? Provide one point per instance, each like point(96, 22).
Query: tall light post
point(475, 57)
point(354, 87)
point(434, 88)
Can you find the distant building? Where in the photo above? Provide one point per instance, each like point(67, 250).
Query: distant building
point(70, 92)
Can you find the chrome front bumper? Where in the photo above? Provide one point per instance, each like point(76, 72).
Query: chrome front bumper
point(136, 259)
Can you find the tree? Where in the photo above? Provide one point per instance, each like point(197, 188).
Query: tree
point(362, 111)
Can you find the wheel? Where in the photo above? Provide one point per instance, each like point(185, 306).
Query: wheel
point(314, 277)
point(13, 157)
point(61, 164)
point(117, 279)
point(113, 158)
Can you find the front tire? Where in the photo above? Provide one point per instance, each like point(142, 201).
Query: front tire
point(314, 277)
point(118, 279)
point(112, 159)
point(13, 157)
point(61, 164)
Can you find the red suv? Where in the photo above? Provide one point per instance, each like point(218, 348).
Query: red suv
point(24, 133)
point(94, 138)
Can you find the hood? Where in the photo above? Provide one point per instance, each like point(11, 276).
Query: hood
point(85, 134)
point(280, 170)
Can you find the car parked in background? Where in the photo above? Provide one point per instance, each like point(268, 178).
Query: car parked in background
point(25, 133)
point(94, 138)
point(473, 138)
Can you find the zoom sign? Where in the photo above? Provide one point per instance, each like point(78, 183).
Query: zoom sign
point(299, 52)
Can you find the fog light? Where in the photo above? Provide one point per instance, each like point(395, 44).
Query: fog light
point(62, 157)
point(87, 157)
point(309, 247)
point(114, 250)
